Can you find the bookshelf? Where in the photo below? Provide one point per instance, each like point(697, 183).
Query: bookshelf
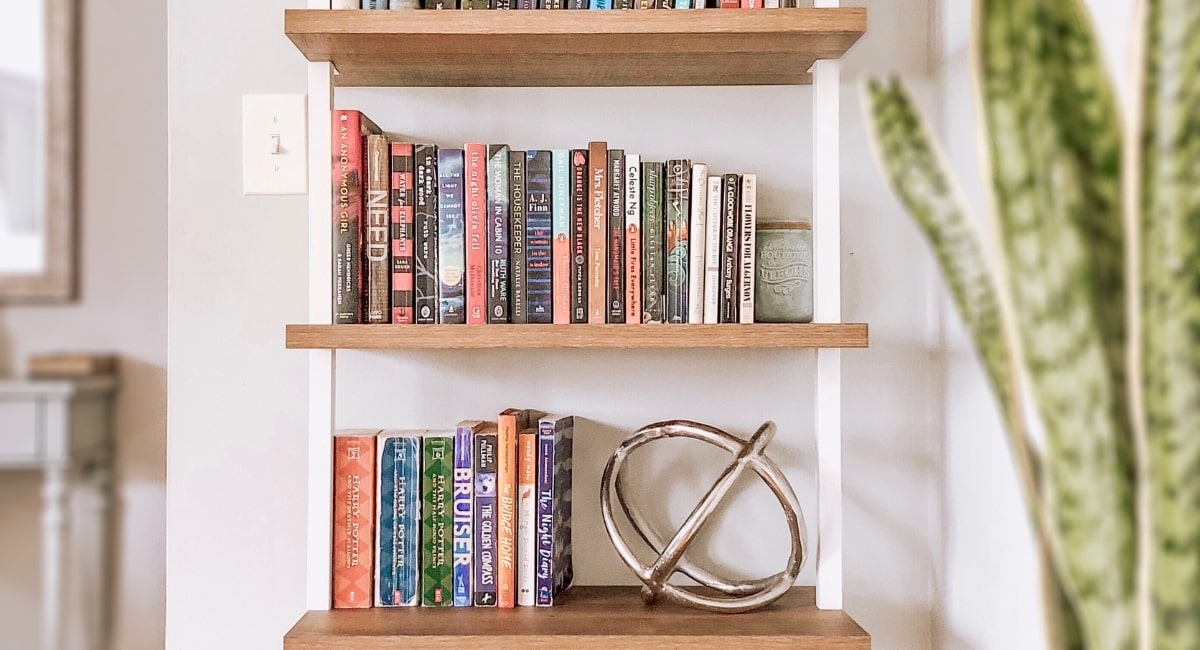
point(559, 49)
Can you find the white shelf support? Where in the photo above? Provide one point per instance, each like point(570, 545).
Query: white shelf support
point(827, 244)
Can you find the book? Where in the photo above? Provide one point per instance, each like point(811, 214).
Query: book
point(616, 236)
point(552, 4)
point(377, 229)
point(555, 569)
point(560, 253)
point(425, 235)
point(475, 4)
point(485, 517)
point(498, 236)
point(475, 211)
point(350, 129)
point(748, 212)
point(437, 538)
point(451, 252)
point(751, 4)
point(527, 4)
point(502, 4)
point(731, 185)
point(730, 4)
point(517, 234)
point(398, 535)
point(527, 445)
point(712, 253)
point(678, 189)
point(509, 425)
point(683, 4)
point(652, 243)
point(633, 238)
point(696, 250)
point(353, 517)
point(538, 227)
point(579, 236)
point(464, 509)
point(402, 220)
point(597, 230)
point(344, 4)
point(577, 4)
point(374, 4)
point(600, 4)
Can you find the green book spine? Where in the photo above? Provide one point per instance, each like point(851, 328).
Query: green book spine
point(652, 242)
point(679, 177)
point(437, 552)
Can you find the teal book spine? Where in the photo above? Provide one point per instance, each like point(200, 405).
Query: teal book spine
point(560, 173)
point(398, 578)
point(600, 4)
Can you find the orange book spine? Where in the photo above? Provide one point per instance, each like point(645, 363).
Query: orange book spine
point(597, 232)
point(506, 490)
point(353, 519)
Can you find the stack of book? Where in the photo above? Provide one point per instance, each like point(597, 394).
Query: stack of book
point(479, 516)
point(488, 234)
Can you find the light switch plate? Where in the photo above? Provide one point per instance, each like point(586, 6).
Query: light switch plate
point(274, 144)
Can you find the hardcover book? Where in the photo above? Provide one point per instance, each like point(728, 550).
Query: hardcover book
point(679, 182)
point(633, 238)
point(501, 4)
point(498, 237)
point(748, 213)
point(402, 233)
point(353, 517)
point(578, 4)
point(598, 231)
point(377, 242)
point(696, 230)
point(539, 290)
point(475, 4)
point(653, 249)
point(516, 251)
point(552, 4)
point(527, 444)
point(425, 237)
point(561, 231)
point(579, 236)
point(731, 185)
point(350, 129)
point(397, 577)
point(476, 218)
point(616, 236)
point(712, 253)
point(374, 4)
point(437, 538)
point(464, 509)
point(510, 423)
point(485, 517)
point(730, 4)
point(555, 569)
point(451, 252)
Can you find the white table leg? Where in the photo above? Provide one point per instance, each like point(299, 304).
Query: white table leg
point(96, 572)
point(54, 531)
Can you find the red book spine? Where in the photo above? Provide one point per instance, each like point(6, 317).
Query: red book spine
point(751, 4)
point(353, 519)
point(347, 217)
point(730, 4)
point(402, 233)
point(476, 218)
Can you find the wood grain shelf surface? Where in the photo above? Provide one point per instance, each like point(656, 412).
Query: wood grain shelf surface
point(699, 47)
point(418, 337)
point(588, 617)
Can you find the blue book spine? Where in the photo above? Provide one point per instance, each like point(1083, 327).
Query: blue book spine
point(600, 4)
point(398, 581)
point(464, 488)
point(539, 277)
point(452, 261)
point(485, 520)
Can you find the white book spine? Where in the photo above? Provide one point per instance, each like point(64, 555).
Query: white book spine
point(344, 4)
point(712, 253)
point(404, 4)
point(696, 250)
point(526, 544)
point(633, 238)
point(770, 4)
point(746, 281)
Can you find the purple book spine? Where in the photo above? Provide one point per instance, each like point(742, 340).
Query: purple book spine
point(485, 520)
point(545, 522)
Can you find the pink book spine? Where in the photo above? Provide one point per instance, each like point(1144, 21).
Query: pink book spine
point(475, 199)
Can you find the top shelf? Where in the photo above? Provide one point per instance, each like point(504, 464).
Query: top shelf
point(698, 47)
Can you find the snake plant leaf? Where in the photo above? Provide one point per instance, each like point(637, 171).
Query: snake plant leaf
point(1054, 156)
point(1169, 225)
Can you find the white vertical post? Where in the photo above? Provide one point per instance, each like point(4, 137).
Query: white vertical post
point(54, 535)
point(828, 309)
point(321, 380)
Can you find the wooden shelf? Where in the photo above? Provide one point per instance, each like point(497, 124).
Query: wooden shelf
point(703, 47)
point(418, 337)
point(588, 617)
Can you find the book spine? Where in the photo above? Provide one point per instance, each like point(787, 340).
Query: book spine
point(730, 203)
point(749, 210)
point(539, 291)
point(451, 253)
point(498, 236)
point(712, 253)
point(527, 445)
point(425, 237)
point(485, 520)
point(598, 230)
point(347, 213)
point(464, 484)
point(577, 4)
point(374, 4)
point(398, 576)
point(564, 571)
point(377, 230)
point(633, 238)
point(560, 176)
point(554, 562)
point(527, 4)
point(552, 4)
point(516, 251)
point(600, 4)
point(683, 4)
point(679, 180)
point(731, 4)
point(475, 215)
point(506, 487)
point(751, 4)
point(402, 233)
point(353, 520)
point(699, 212)
point(475, 4)
point(544, 580)
point(652, 242)
point(579, 236)
point(344, 4)
point(437, 573)
point(616, 236)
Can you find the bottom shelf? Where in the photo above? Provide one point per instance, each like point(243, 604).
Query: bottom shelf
point(587, 617)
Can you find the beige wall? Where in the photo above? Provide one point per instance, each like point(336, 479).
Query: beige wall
point(121, 308)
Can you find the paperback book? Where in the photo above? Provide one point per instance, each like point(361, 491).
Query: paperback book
point(353, 517)
point(678, 180)
point(402, 233)
point(399, 514)
point(425, 237)
point(653, 269)
point(485, 517)
point(451, 254)
point(350, 129)
point(554, 564)
point(378, 242)
point(616, 236)
point(538, 227)
point(437, 534)
point(517, 262)
point(464, 509)
point(498, 235)
point(476, 219)
point(561, 235)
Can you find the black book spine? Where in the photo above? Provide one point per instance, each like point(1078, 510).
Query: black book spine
point(652, 242)
point(730, 247)
point(539, 292)
point(579, 235)
point(577, 4)
point(498, 235)
point(516, 250)
point(425, 284)
point(616, 235)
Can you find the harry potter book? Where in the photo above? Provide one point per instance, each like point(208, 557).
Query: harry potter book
point(425, 236)
point(437, 523)
point(539, 298)
point(498, 235)
point(451, 226)
point(353, 517)
point(398, 572)
point(402, 233)
point(377, 242)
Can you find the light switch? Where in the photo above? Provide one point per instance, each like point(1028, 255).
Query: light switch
point(274, 144)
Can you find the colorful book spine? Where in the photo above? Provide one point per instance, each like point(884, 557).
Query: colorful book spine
point(652, 243)
point(397, 577)
point(527, 4)
point(498, 236)
point(751, 4)
point(555, 568)
point(731, 185)
point(633, 238)
point(350, 129)
point(485, 517)
point(577, 4)
point(377, 243)
point(353, 517)
point(509, 425)
point(516, 251)
point(539, 290)
point(560, 175)
point(698, 216)
point(451, 252)
point(597, 231)
point(437, 538)
point(425, 237)
point(683, 4)
point(402, 232)
point(600, 4)
point(579, 236)
point(552, 4)
point(476, 218)
point(678, 183)
point(749, 210)
point(527, 445)
point(615, 286)
point(712, 253)
point(730, 4)
point(464, 509)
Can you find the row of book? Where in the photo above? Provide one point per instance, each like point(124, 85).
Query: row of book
point(487, 234)
point(563, 4)
point(479, 516)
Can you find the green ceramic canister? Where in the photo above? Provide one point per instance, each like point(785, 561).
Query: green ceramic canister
point(783, 284)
